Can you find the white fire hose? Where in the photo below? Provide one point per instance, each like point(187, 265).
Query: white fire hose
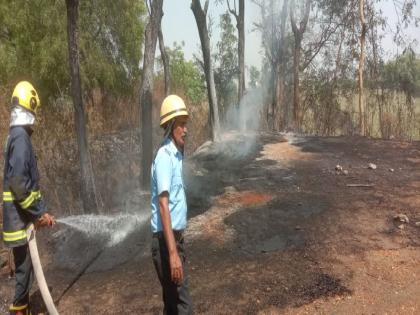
point(39, 273)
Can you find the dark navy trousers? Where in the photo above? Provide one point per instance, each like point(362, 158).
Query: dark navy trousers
point(176, 298)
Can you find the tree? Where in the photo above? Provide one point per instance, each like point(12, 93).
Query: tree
point(281, 72)
point(88, 191)
point(34, 45)
point(403, 74)
point(276, 43)
point(298, 36)
point(186, 78)
point(165, 61)
point(363, 31)
point(226, 60)
point(110, 40)
point(200, 15)
point(254, 77)
point(146, 90)
point(240, 25)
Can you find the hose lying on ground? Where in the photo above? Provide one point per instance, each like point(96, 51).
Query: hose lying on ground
point(39, 274)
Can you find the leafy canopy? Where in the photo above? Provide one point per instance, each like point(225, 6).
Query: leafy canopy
point(226, 59)
point(185, 76)
point(33, 44)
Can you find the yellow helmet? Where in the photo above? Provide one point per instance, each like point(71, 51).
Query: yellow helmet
point(26, 96)
point(172, 106)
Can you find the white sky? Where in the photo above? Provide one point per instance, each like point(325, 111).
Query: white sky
point(179, 25)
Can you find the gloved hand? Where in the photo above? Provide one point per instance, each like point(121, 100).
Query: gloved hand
point(44, 220)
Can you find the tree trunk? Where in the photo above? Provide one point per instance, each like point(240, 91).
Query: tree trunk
point(379, 91)
point(273, 112)
point(165, 61)
point(241, 49)
point(282, 70)
point(271, 115)
point(362, 127)
point(200, 18)
point(88, 189)
point(298, 35)
point(146, 89)
point(281, 122)
point(296, 78)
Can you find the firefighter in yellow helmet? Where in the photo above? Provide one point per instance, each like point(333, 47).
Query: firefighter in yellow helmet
point(169, 208)
point(22, 199)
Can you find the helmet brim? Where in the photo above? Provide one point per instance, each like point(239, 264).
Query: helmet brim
point(171, 115)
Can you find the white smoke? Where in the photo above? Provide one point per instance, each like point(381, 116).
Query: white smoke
point(247, 116)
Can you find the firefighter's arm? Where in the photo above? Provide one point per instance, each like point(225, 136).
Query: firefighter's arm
point(19, 161)
point(174, 260)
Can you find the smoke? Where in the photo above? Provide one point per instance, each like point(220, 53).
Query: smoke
point(247, 116)
point(240, 127)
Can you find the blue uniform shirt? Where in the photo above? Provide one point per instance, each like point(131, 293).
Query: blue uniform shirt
point(166, 175)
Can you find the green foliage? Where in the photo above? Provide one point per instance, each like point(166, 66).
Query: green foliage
point(254, 77)
point(226, 58)
point(33, 44)
point(111, 43)
point(403, 73)
point(185, 76)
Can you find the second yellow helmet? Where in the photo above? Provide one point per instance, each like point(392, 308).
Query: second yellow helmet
point(172, 106)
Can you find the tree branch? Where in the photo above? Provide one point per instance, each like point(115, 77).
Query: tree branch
point(206, 7)
point(233, 12)
point(305, 19)
point(326, 34)
point(293, 21)
point(149, 7)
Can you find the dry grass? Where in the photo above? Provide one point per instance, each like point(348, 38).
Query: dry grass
point(114, 141)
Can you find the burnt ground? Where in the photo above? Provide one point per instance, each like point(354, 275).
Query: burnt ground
point(273, 229)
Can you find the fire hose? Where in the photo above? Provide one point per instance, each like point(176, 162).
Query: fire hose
point(39, 273)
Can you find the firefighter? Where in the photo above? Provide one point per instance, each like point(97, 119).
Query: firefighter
point(169, 209)
point(22, 199)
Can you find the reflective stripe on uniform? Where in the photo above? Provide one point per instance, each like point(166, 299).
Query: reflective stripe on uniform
point(17, 308)
point(30, 199)
point(14, 236)
point(34, 195)
point(7, 196)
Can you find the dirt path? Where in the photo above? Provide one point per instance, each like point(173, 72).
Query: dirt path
point(274, 229)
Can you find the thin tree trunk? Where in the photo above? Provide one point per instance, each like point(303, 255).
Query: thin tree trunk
point(282, 69)
point(146, 89)
point(296, 78)
point(200, 18)
point(274, 66)
point(362, 127)
point(88, 188)
point(378, 87)
point(274, 110)
point(241, 49)
point(298, 35)
point(165, 61)
point(240, 25)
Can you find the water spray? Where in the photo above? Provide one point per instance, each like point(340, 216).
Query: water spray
point(112, 229)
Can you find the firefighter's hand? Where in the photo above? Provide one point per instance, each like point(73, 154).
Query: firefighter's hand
point(176, 268)
point(45, 220)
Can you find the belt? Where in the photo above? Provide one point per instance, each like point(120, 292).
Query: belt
point(178, 234)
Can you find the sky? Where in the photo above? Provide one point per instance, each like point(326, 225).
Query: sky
point(178, 25)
